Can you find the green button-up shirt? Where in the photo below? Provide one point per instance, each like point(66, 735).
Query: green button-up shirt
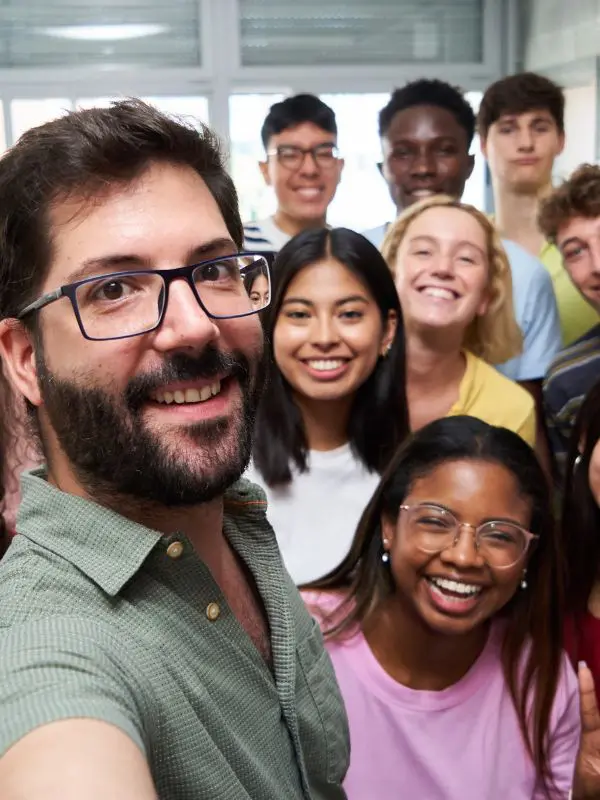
point(103, 618)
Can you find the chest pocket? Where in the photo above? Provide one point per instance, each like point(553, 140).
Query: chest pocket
point(321, 714)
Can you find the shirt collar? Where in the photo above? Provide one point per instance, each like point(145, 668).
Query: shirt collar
point(104, 545)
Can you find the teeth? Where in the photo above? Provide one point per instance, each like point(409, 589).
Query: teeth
point(455, 586)
point(189, 395)
point(434, 291)
point(326, 364)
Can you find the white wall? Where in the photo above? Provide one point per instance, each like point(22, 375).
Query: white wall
point(580, 129)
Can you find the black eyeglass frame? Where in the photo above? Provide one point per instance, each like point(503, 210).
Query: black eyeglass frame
point(168, 276)
point(303, 152)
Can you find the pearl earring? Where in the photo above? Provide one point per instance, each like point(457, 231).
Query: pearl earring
point(385, 556)
point(523, 581)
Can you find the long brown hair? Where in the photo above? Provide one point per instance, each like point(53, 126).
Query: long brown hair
point(533, 621)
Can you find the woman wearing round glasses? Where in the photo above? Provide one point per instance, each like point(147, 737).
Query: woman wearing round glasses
point(443, 624)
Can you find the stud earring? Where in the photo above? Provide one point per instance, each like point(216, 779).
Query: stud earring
point(523, 581)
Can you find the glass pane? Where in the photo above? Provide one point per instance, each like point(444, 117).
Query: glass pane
point(475, 188)
point(362, 199)
point(3, 142)
point(25, 114)
point(190, 107)
point(359, 32)
point(77, 32)
point(247, 113)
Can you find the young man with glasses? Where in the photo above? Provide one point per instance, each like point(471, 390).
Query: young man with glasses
point(146, 621)
point(302, 165)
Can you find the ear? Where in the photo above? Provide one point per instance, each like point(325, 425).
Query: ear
point(264, 169)
point(341, 165)
point(471, 162)
point(388, 532)
point(389, 332)
point(484, 304)
point(561, 143)
point(483, 147)
point(18, 356)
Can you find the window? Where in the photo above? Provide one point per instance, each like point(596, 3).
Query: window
point(27, 114)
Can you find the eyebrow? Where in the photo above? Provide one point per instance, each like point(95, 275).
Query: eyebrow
point(354, 298)
point(571, 240)
point(462, 243)
point(483, 522)
point(120, 262)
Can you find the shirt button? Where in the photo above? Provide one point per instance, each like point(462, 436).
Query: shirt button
point(175, 549)
point(212, 611)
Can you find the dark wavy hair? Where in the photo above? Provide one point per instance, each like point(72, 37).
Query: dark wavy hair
point(518, 94)
point(533, 633)
point(379, 416)
point(580, 512)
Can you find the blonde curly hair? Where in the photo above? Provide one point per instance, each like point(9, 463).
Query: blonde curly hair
point(495, 336)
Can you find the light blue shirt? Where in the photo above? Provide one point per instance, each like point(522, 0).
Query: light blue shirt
point(535, 307)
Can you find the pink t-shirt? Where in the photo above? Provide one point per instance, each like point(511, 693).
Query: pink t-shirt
point(462, 743)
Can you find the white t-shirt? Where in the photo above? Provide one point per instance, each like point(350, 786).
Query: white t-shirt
point(264, 236)
point(316, 515)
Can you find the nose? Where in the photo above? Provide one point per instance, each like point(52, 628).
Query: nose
point(463, 552)
point(595, 256)
point(309, 165)
point(185, 324)
point(525, 140)
point(324, 333)
point(423, 164)
point(444, 266)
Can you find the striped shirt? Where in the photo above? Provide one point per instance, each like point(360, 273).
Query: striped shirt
point(570, 377)
point(263, 236)
point(103, 618)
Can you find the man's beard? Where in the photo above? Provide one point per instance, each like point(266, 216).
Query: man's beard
point(116, 456)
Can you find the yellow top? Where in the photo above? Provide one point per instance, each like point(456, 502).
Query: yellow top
point(486, 394)
point(576, 315)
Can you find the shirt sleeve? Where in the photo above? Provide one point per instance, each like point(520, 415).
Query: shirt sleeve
point(541, 328)
point(564, 736)
point(62, 668)
point(527, 430)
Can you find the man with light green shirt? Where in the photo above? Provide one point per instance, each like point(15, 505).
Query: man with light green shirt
point(521, 125)
point(153, 645)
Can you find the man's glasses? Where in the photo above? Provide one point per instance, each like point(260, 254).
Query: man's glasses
point(433, 528)
point(119, 305)
point(292, 157)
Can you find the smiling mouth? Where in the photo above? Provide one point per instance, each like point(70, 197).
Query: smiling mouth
point(326, 364)
point(185, 396)
point(457, 589)
point(437, 291)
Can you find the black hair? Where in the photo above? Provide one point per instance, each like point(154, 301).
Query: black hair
point(532, 647)
point(580, 512)
point(294, 111)
point(379, 416)
point(426, 92)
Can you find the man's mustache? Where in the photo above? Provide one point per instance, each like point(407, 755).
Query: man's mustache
point(182, 367)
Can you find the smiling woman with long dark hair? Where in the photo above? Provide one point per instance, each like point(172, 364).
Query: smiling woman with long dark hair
point(444, 626)
point(334, 406)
